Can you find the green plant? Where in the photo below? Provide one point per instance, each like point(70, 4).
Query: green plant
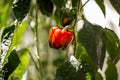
point(78, 61)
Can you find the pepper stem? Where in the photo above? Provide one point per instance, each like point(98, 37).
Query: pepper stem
point(68, 28)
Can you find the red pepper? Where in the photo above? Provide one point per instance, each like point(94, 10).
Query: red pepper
point(59, 38)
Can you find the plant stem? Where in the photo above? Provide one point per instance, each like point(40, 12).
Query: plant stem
point(37, 42)
point(75, 30)
point(36, 31)
point(32, 59)
point(78, 10)
point(84, 5)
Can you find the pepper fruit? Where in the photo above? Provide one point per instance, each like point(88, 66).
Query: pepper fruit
point(59, 38)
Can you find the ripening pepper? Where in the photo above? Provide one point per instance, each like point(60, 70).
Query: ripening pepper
point(59, 38)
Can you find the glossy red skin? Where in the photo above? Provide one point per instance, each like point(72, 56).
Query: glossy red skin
point(60, 38)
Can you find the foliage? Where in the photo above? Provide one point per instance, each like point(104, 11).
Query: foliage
point(93, 39)
point(115, 4)
point(21, 8)
point(31, 55)
point(11, 65)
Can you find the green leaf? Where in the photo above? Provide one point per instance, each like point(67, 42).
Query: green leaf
point(101, 5)
point(21, 28)
point(66, 72)
point(71, 70)
point(6, 39)
point(117, 58)
point(98, 76)
point(92, 38)
point(116, 5)
point(74, 70)
point(16, 38)
point(21, 8)
point(46, 7)
point(82, 55)
point(20, 70)
point(7, 32)
point(88, 70)
point(111, 72)
point(59, 4)
point(5, 13)
point(112, 42)
point(88, 76)
point(11, 65)
point(65, 16)
point(74, 3)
